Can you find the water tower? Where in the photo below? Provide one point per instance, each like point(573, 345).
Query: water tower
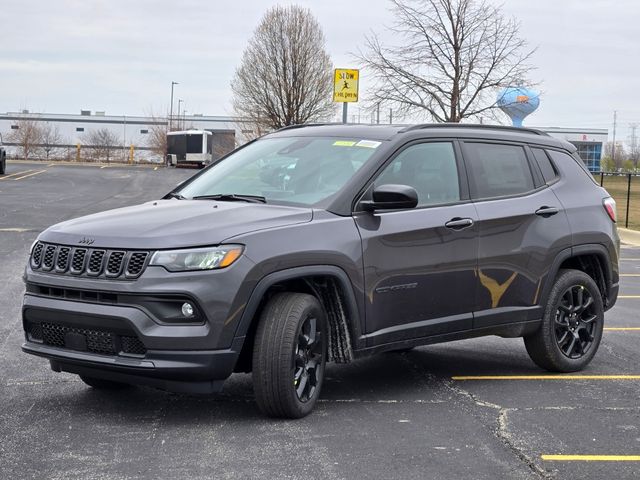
point(517, 103)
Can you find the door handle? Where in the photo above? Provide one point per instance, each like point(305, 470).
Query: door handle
point(546, 212)
point(458, 223)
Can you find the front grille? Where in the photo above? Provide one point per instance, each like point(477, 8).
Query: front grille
point(49, 256)
point(95, 262)
point(36, 256)
point(102, 342)
point(77, 264)
point(62, 263)
point(114, 265)
point(136, 263)
point(62, 259)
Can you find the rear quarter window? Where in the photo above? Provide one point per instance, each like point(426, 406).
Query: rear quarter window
point(560, 157)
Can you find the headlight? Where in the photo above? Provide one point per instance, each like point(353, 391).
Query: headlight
point(197, 258)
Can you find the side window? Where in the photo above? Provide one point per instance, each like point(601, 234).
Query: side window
point(430, 168)
point(561, 158)
point(549, 172)
point(498, 170)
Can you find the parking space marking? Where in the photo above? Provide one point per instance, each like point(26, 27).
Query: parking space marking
point(620, 329)
point(628, 296)
point(592, 458)
point(7, 177)
point(15, 230)
point(545, 377)
point(29, 175)
point(630, 274)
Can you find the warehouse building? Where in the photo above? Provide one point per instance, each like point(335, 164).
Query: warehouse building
point(137, 131)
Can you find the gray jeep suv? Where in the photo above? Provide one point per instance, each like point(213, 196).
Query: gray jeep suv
point(328, 243)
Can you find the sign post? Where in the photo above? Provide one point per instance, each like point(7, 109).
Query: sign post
point(345, 88)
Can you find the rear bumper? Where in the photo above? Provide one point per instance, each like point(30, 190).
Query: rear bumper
point(177, 371)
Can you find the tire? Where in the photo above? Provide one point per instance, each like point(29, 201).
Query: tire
point(289, 355)
point(572, 324)
point(101, 384)
point(3, 165)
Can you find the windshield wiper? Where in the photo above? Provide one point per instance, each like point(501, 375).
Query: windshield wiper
point(175, 195)
point(232, 197)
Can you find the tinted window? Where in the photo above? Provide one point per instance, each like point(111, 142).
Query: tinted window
point(498, 170)
point(548, 170)
point(194, 143)
point(560, 157)
point(430, 168)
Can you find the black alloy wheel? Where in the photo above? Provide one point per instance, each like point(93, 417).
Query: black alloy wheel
point(308, 359)
point(571, 326)
point(575, 322)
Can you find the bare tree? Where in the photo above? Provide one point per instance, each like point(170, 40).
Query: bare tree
point(617, 155)
point(102, 141)
point(285, 77)
point(27, 136)
point(451, 58)
point(157, 136)
point(51, 140)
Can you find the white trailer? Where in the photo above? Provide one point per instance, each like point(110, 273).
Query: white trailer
point(190, 147)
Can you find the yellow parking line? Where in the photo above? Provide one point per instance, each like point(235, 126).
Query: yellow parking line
point(6, 177)
point(620, 329)
point(628, 296)
point(629, 259)
point(546, 377)
point(30, 175)
point(630, 274)
point(592, 458)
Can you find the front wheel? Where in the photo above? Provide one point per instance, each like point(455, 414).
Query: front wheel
point(289, 355)
point(572, 324)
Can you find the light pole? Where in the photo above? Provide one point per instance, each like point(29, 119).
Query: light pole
point(171, 106)
point(179, 102)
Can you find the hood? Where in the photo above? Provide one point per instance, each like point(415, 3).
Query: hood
point(173, 224)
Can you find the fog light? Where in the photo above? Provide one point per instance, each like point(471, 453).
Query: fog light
point(187, 309)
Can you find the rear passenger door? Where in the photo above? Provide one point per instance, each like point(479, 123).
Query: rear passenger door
point(521, 228)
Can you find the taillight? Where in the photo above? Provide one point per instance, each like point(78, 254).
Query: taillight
point(610, 206)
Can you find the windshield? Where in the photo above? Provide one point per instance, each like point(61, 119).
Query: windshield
point(301, 170)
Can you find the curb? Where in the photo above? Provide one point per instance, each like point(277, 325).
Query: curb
point(629, 237)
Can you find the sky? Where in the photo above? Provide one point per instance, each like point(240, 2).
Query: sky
point(120, 56)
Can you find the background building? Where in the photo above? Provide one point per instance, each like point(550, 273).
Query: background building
point(139, 132)
point(589, 142)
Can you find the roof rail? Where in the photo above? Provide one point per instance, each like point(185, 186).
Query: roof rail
point(474, 126)
point(301, 125)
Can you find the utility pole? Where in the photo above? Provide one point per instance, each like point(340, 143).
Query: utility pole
point(171, 106)
point(378, 113)
point(613, 145)
point(179, 102)
point(634, 144)
point(390, 116)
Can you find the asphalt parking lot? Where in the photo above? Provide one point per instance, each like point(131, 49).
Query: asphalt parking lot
point(476, 409)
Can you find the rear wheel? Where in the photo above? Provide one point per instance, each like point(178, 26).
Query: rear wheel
point(572, 324)
point(101, 384)
point(3, 165)
point(289, 355)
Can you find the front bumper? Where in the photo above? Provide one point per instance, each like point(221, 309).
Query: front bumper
point(176, 371)
point(90, 340)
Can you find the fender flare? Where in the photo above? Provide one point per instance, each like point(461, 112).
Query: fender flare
point(576, 251)
point(273, 278)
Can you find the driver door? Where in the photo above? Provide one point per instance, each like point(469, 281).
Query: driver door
point(419, 264)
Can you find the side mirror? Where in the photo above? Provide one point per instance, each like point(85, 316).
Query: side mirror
point(391, 197)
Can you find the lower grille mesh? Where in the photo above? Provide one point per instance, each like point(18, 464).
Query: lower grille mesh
point(95, 341)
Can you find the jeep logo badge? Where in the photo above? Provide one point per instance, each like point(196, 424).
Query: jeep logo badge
point(86, 241)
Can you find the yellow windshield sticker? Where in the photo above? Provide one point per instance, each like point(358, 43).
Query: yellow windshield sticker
point(344, 143)
point(368, 144)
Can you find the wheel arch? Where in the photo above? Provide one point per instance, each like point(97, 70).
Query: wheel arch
point(330, 285)
point(594, 260)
